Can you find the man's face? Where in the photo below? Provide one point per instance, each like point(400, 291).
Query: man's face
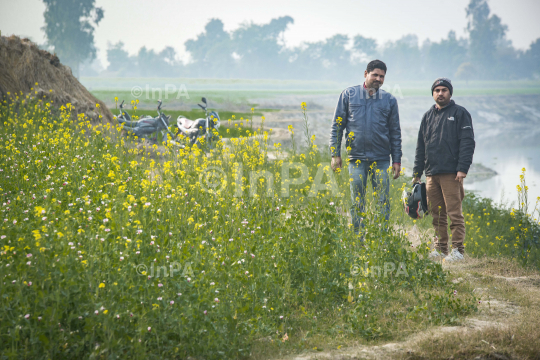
point(441, 95)
point(374, 79)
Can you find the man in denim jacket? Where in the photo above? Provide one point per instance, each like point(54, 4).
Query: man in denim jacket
point(370, 118)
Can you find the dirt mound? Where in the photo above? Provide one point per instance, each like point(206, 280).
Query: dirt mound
point(23, 64)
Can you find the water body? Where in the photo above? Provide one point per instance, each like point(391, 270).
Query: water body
point(508, 162)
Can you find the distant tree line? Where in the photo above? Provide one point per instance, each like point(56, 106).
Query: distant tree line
point(259, 51)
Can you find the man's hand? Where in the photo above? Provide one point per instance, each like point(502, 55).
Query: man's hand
point(336, 162)
point(415, 180)
point(460, 176)
point(396, 168)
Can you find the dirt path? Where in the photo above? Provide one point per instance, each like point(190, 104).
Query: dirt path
point(507, 325)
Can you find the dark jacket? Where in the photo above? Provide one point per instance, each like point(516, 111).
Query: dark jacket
point(445, 141)
point(371, 123)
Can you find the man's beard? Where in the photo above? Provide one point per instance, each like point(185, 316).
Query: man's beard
point(375, 85)
point(442, 102)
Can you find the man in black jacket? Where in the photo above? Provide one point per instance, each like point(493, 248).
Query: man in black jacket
point(444, 151)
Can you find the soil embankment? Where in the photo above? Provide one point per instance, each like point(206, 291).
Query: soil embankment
point(26, 69)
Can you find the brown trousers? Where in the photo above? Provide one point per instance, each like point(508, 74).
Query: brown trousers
point(445, 195)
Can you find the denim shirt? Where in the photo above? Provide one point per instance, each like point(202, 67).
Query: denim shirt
point(371, 125)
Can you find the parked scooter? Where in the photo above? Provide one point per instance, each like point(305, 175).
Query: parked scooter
point(195, 130)
point(146, 125)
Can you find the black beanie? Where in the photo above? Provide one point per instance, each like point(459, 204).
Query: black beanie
point(442, 82)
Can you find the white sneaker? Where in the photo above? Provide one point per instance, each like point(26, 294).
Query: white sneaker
point(455, 255)
point(435, 255)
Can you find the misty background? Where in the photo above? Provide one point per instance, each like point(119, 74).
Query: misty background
point(277, 40)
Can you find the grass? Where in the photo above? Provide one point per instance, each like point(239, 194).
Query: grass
point(112, 249)
point(243, 92)
point(242, 99)
point(510, 310)
point(504, 327)
point(494, 232)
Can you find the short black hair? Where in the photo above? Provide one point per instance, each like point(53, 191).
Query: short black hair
point(376, 64)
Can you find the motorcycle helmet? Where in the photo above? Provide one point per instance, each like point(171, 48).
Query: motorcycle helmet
point(415, 201)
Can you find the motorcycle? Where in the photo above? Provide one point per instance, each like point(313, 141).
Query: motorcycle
point(196, 130)
point(146, 125)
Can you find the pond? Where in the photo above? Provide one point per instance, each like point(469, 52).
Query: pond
point(508, 163)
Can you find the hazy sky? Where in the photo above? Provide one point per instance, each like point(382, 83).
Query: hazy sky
point(159, 23)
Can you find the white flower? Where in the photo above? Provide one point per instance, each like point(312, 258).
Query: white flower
point(27, 316)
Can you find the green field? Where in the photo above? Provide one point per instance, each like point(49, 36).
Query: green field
point(113, 249)
point(242, 92)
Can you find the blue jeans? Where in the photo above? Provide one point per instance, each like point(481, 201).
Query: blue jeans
point(359, 174)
